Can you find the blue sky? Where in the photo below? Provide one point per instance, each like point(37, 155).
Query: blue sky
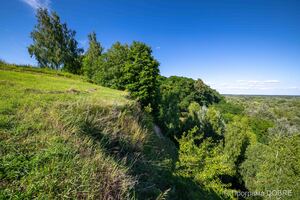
point(236, 46)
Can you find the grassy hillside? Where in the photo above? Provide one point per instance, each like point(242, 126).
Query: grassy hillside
point(45, 150)
point(62, 137)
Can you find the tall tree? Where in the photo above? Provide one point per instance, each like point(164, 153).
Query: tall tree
point(54, 45)
point(141, 73)
point(92, 56)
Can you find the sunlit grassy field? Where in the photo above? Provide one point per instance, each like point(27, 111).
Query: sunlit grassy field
point(19, 88)
point(45, 149)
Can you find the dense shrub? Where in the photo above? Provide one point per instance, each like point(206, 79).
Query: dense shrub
point(274, 166)
point(177, 96)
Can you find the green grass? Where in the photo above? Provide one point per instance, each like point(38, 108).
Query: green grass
point(23, 88)
point(46, 153)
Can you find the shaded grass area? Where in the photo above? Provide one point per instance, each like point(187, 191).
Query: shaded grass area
point(62, 137)
point(125, 133)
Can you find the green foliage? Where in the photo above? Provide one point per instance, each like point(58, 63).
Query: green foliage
point(180, 86)
point(177, 97)
point(213, 153)
point(238, 136)
point(169, 114)
point(54, 45)
point(215, 123)
point(111, 66)
point(228, 109)
point(91, 57)
point(205, 162)
point(140, 74)
point(260, 127)
point(209, 121)
point(127, 67)
point(274, 166)
point(204, 94)
point(263, 145)
point(265, 112)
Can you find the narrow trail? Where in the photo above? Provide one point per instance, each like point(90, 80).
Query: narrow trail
point(157, 131)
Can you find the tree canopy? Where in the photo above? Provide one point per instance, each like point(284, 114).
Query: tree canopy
point(90, 60)
point(54, 45)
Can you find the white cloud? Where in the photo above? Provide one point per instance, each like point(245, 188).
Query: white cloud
point(293, 88)
point(257, 82)
point(158, 48)
point(253, 86)
point(271, 81)
point(35, 4)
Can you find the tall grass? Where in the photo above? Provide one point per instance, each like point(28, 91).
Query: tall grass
point(51, 144)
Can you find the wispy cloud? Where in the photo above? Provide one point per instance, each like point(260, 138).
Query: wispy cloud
point(254, 86)
point(35, 4)
point(258, 81)
point(271, 81)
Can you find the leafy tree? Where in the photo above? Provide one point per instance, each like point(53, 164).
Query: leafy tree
point(174, 99)
point(213, 153)
point(54, 45)
point(204, 94)
point(169, 114)
point(90, 60)
point(260, 127)
point(229, 109)
point(238, 136)
point(232, 157)
point(187, 92)
point(111, 68)
point(216, 124)
point(204, 162)
point(132, 68)
point(182, 87)
point(209, 121)
point(274, 166)
point(140, 74)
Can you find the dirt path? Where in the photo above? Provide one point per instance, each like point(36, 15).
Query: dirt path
point(157, 131)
